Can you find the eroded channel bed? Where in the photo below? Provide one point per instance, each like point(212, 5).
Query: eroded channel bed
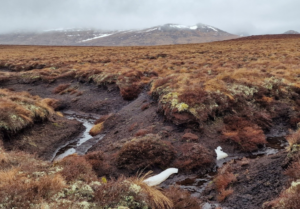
point(149, 121)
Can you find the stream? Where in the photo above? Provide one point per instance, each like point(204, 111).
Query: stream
point(196, 184)
point(84, 141)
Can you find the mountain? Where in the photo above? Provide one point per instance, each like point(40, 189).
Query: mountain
point(159, 35)
point(291, 32)
point(51, 37)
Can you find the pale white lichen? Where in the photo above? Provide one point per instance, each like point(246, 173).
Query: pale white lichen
point(95, 183)
point(38, 174)
point(135, 188)
point(86, 205)
point(242, 89)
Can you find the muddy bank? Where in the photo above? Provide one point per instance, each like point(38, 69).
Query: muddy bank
point(44, 138)
point(258, 180)
point(84, 97)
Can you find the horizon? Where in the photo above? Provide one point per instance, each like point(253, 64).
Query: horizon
point(129, 29)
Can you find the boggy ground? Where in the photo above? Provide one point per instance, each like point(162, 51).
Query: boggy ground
point(140, 117)
point(168, 106)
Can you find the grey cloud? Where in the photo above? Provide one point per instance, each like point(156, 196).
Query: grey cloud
point(235, 16)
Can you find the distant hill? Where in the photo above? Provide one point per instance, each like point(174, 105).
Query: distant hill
point(291, 32)
point(159, 35)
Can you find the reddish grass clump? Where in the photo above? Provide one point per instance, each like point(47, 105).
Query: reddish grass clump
point(293, 170)
point(145, 152)
point(103, 118)
point(145, 106)
point(181, 198)
point(133, 126)
point(194, 156)
point(142, 132)
point(60, 88)
point(77, 168)
point(223, 193)
point(99, 162)
point(294, 138)
point(54, 103)
point(193, 95)
point(130, 92)
point(161, 82)
point(246, 135)
point(224, 178)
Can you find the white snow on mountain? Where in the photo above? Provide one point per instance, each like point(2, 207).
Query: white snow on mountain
point(184, 26)
point(101, 36)
point(212, 28)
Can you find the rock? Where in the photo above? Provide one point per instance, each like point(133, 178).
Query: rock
point(190, 137)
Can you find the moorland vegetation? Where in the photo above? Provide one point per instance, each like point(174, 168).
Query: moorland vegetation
point(240, 87)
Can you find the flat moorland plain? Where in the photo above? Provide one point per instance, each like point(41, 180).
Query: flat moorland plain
point(181, 102)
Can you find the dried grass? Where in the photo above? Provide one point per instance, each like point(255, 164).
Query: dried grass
point(96, 129)
point(20, 109)
point(181, 198)
point(114, 192)
point(221, 182)
point(77, 168)
point(60, 88)
point(145, 152)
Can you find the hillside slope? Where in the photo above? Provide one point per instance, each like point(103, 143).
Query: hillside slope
point(159, 35)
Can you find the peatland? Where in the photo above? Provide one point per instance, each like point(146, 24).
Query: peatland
point(156, 107)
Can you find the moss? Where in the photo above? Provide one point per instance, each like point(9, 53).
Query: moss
point(169, 97)
point(182, 107)
point(56, 124)
point(174, 102)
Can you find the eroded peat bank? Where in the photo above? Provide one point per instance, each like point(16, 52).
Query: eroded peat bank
point(81, 127)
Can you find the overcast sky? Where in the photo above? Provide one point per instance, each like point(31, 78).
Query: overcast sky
point(235, 16)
